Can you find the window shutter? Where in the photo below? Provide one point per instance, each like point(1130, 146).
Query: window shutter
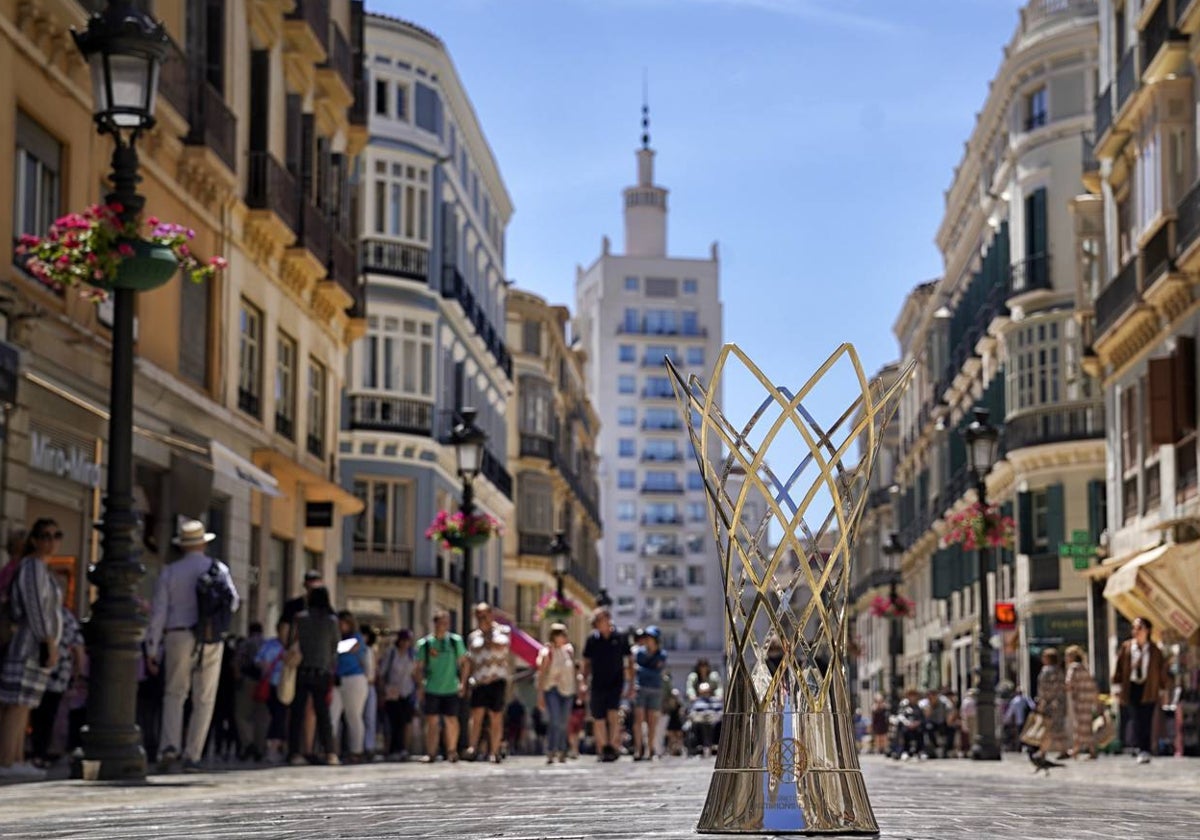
point(1160, 402)
point(307, 138)
point(940, 582)
point(293, 118)
point(449, 237)
point(1025, 523)
point(1185, 385)
point(1097, 510)
point(1055, 518)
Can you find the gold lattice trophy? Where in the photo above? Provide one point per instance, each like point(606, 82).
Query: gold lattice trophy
point(787, 761)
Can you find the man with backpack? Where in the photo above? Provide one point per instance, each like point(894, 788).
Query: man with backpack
point(441, 658)
point(194, 602)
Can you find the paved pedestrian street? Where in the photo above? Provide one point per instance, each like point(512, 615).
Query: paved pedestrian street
point(525, 799)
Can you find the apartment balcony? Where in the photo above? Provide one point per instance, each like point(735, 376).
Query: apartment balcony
point(173, 80)
point(306, 29)
point(676, 519)
point(1127, 78)
point(652, 583)
point(343, 269)
point(1163, 47)
point(583, 576)
point(1055, 424)
point(379, 413)
point(1104, 113)
point(1118, 297)
point(494, 472)
point(1091, 165)
point(662, 458)
point(315, 445)
point(534, 543)
point(285, 426)
point(670, 616)
point(212, 122)
point(536, 446)
point(1030, 274)
point(656, 490)
point(1187, 219)
point(585, 492)
point(269, 186)
point(336, 75)
point(661, 427)
point(879, 497)
point(395, 259)
point(455, 287)
point(1038, 14)
point(1156, 256)
point(663, 550)
point(249, 402)
point(358, 108)
point(658, 394)
point(315, 231)
point(383, 561)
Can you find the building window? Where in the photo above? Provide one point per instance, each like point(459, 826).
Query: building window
point(531, 337)
point(656, 353)
point(194, 334)
point(36, 178)
point(1129, 452)
point(626, 384)
point(626, 511)
point(401, 102)
point(631, 284)
point(317, 391)
point(626, 353)
point(626, 448)
point(536, 398)
point(697, 511)
point(387, 522)
point(626, 542)
point(250, 361)
point(658, 386)
point(626, 605)
point(661, 418)
point(630, 323)
point(626, 573)
point(285, 386)
point(626, 416)
point(661, 450)
point(662, 321)
point(662, 287)
point(398, 356)
point(695, 575)
point(695, 481)
point(402, 200)
point(381, 97)
point(1036, 113)
point(1036, 375)
point(689, 286)
point(695, 356)
point(535, 496)
point(626, 479)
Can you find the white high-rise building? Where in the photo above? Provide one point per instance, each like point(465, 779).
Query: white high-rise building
point(658, 559)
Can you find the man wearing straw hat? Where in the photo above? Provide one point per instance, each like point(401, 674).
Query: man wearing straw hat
point(191, 668)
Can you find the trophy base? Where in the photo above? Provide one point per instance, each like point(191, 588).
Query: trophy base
point(821, 802)
point(787, 773)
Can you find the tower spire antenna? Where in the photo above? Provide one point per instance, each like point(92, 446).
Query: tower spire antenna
point(645, 110)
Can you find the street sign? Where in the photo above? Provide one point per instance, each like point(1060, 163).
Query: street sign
point(1006, 616)
point(1079, 549)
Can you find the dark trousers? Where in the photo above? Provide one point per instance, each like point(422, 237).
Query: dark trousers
point(277, 728)
point(1143, 716)
point(42, 720)
point(315, 684)
point(399, 716)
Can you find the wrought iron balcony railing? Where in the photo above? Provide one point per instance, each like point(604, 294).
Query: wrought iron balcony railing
point(380, 413)
point(1118, 296)
point(395, 259)
point(1029, 274)
point(269, 186)
point(1055, 424)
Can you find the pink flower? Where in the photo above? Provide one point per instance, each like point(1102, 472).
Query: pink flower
point(125, 249)
point(152, 221)
point(218, 262)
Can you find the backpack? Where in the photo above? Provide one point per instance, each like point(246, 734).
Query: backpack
point(214, 605)
point(8, 610)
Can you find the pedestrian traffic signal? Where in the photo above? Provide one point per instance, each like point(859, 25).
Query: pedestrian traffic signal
point(1006, 616)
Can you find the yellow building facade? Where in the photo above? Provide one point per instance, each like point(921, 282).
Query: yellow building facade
point(237, 381)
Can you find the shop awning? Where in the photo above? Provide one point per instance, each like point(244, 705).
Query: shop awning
point(229, 463)
point(1162, 584)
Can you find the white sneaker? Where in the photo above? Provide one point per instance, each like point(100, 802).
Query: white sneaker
point(23, 771)
point(1143, 757)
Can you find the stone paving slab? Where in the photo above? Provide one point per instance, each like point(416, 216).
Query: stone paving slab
point(524, 799)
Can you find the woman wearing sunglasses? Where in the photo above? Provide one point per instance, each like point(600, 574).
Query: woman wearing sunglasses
point(34, 599)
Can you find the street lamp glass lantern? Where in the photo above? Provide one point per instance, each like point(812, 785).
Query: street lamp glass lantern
point(983, 444)
point(561, 552)
point(125, 49)
point(468, 441)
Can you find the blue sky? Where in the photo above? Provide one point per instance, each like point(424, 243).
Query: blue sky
point(813, 139)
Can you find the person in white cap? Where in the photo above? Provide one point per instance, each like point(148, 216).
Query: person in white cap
point(191, 667)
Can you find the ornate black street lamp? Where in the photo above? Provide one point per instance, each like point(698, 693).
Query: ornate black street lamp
point(125, 48)
point(468, 440)
point(893, 550)
point(983, 447)
point(561, 552)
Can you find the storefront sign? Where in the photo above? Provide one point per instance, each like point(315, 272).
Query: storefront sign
point(318, 515)
point(63, 460)
point(1059, 628)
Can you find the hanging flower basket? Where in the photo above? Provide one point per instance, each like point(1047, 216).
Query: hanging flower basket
point(980, 526)
point(98, 251)
point(458, 531)
point(553, 608)
point(898, 607)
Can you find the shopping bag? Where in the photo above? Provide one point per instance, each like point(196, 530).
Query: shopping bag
point(1104, 729)
point(1034, 730)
